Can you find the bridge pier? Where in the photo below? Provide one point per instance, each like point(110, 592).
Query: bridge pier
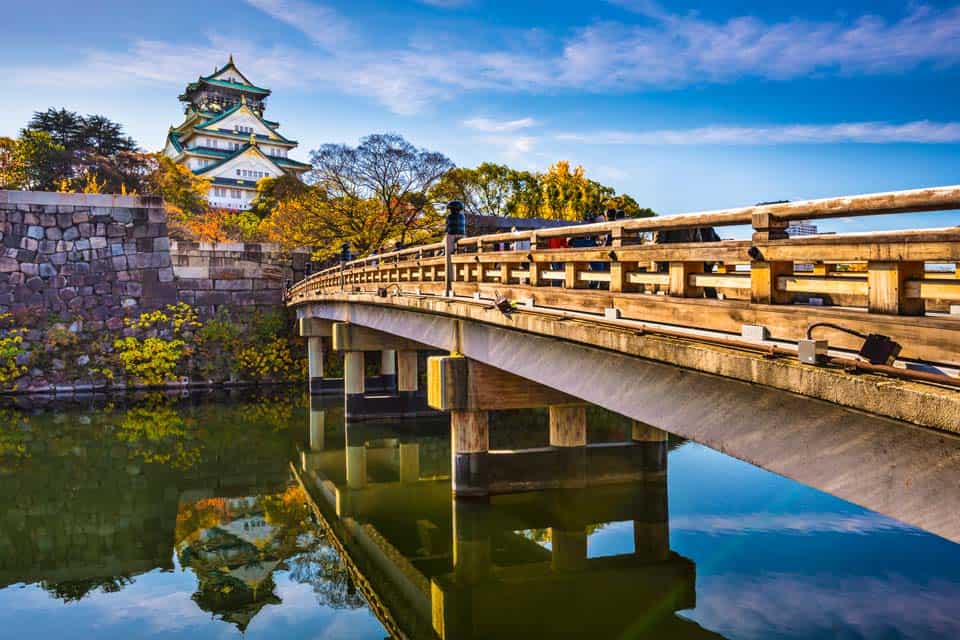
point(315, 331)
point(392, 394)
point(469, 390)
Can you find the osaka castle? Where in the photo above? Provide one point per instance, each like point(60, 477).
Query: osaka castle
point(226, 138)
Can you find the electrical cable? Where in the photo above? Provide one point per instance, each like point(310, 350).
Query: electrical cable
point(837, 327)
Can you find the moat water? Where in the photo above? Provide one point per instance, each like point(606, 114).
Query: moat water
point(218, 517)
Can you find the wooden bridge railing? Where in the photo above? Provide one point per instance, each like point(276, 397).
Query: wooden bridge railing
point(870, 280)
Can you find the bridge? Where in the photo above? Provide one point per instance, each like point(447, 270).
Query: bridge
point(816, 357)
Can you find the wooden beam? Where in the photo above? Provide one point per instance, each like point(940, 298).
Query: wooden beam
point(455, 383)
point(888, 288)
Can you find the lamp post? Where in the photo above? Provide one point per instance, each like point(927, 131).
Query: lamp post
point(344, 259)
point(456, 229)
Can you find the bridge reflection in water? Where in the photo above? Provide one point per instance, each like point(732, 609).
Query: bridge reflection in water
point(510, 565)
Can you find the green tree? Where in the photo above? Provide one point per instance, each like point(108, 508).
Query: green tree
point(95, 150)
point(41, 160)
point(486, 190)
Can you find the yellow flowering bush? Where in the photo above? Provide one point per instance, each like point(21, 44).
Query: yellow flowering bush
point(152, 360)
point(11, 341)
point(271, 361)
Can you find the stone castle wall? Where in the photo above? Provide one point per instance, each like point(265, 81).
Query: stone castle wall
point(102, 257)
point(83, 263)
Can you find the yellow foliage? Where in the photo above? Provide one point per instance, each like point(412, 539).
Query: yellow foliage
point(273, 361)
point(150, 361)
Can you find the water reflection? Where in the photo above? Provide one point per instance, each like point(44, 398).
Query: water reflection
point(267, 516)
point(515, 565)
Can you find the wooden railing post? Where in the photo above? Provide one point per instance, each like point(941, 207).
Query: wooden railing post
point(887, 288)
point(763, 281)
point(680, 273)
point(763, 273)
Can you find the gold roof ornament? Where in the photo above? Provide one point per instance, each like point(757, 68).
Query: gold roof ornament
point(253, 139)
point(243, 99)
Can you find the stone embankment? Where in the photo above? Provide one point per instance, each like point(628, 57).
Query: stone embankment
point(75, 268)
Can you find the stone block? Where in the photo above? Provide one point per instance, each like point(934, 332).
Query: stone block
point(71, 233)
point(8, 264)
point(47, 270)
point(30, 244)
point(243, 284)
point(161, 244)
point(119, 263)
point(53, 233)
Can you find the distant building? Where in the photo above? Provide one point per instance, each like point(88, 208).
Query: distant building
point(801, 228)
point(225, 137)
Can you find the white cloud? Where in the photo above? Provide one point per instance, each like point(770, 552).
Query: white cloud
point(656, 51)
point(446, 4)
point(920, 131)
point(498, 126)
point(676, 50)
point(318, 22)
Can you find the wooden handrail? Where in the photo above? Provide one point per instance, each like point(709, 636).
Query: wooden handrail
point(887, 274)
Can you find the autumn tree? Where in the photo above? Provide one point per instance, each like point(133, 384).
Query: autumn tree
point(11, 168)
point(271, 192)
point(184, 192)
point(386, 170)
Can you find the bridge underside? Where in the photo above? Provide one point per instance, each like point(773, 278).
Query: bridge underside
point(883, 464)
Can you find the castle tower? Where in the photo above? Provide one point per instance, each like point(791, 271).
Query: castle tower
point(225, 137)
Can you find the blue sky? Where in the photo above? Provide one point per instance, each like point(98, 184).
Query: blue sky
point(685, 107)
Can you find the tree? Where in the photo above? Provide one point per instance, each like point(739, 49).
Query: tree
point(184, 192)
point(102, 136)
point(11, 166)
point(94, 150)
point(273, 191)
point(485, 191)
point(316, 220)
point(65, 127)
point(629, 206)
point(40, 159)
point(389, 171)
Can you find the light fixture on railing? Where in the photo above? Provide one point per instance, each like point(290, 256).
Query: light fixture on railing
point(754, 254)
point(876, 348)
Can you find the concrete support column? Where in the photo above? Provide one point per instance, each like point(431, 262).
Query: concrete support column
point(569, 549)
point(469, 443)
point(471, 541)
point(353, 382)
point(651, 524)
point(388, 370)
point(317, 425)
point(568, 432)
point(315, 363)
point(568, 426)
point(653, 444)
point(407, 381)
point(356, 457)
point(409, 462)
